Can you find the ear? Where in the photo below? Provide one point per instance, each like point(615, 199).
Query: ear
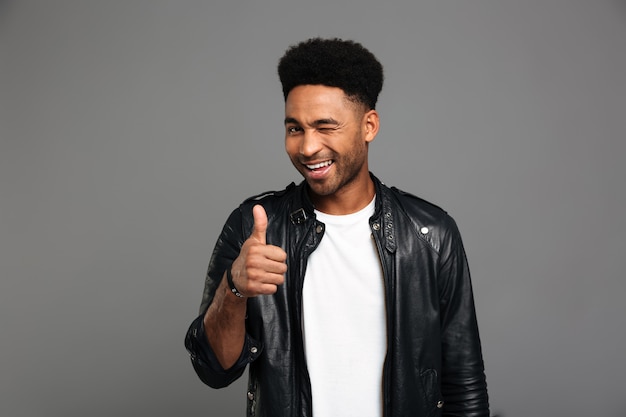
point(371, 124)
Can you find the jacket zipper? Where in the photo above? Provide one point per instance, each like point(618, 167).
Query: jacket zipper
point(386, 275)
point(302, 358)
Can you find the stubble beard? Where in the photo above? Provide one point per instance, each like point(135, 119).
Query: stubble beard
point(347, 170)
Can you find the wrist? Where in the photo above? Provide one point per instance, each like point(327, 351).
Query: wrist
point(231, 284)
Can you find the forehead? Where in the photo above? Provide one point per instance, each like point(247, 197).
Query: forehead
point(318, 101)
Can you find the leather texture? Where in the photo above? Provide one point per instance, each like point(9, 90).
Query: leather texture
point(434, 365)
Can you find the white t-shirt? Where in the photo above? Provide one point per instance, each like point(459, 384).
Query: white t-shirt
point(345, 333)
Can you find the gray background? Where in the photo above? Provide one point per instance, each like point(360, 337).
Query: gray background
point(130, 129)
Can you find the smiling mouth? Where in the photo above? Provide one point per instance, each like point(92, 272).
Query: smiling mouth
point(319, 165)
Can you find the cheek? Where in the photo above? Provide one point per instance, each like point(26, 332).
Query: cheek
point(291, 146)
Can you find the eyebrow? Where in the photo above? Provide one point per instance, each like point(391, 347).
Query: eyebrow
point(319, 122)
point(291, 120)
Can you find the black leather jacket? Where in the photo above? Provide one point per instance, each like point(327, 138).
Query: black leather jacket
point(434, 365)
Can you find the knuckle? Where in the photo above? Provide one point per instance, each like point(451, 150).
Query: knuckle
point(254, 249)
point(254, 274)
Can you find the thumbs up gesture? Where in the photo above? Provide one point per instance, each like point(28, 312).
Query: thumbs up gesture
point(259, 268)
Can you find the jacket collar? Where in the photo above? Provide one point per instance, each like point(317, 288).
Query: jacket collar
point(384, 215)
point(381, 222)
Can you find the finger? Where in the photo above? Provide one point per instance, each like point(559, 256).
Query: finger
point(260, 253)
point(267, 289)
point(260, 223)
point(268, 281)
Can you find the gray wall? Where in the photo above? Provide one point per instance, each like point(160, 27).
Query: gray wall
point(130, 129)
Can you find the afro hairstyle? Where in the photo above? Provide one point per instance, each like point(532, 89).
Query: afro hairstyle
point(334, 63)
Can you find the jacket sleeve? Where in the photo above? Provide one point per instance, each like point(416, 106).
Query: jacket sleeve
point(205, 362)
point(463, 382)
point(203, 359)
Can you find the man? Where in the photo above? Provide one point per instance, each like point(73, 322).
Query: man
point(345, 297)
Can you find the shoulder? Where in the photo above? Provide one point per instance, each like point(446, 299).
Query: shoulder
point(268, 196)
point(275, 203)
point(428, 221)
point(271, 199)
point(418, 208)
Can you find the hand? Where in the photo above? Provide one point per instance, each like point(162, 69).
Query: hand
point(259, 268)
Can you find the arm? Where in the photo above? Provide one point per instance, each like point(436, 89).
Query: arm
point(225, 325)
point(217, 339)
point(463, 383)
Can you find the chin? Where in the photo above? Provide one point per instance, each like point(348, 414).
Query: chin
point(320, 190)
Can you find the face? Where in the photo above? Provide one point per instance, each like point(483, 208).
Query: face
point(327, 137)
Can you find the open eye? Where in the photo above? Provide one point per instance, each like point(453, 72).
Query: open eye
point(292, 130)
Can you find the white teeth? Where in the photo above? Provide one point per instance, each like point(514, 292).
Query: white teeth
point(320, 165)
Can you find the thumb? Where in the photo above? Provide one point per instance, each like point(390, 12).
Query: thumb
point(260, 223)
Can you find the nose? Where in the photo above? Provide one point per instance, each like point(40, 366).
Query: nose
point(310, 144)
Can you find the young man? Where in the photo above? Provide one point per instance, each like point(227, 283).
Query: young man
point(344, 296)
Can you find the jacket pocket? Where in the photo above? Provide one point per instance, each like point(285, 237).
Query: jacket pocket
point(432, 392)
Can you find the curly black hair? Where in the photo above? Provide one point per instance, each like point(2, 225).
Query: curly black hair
point(335, 63)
